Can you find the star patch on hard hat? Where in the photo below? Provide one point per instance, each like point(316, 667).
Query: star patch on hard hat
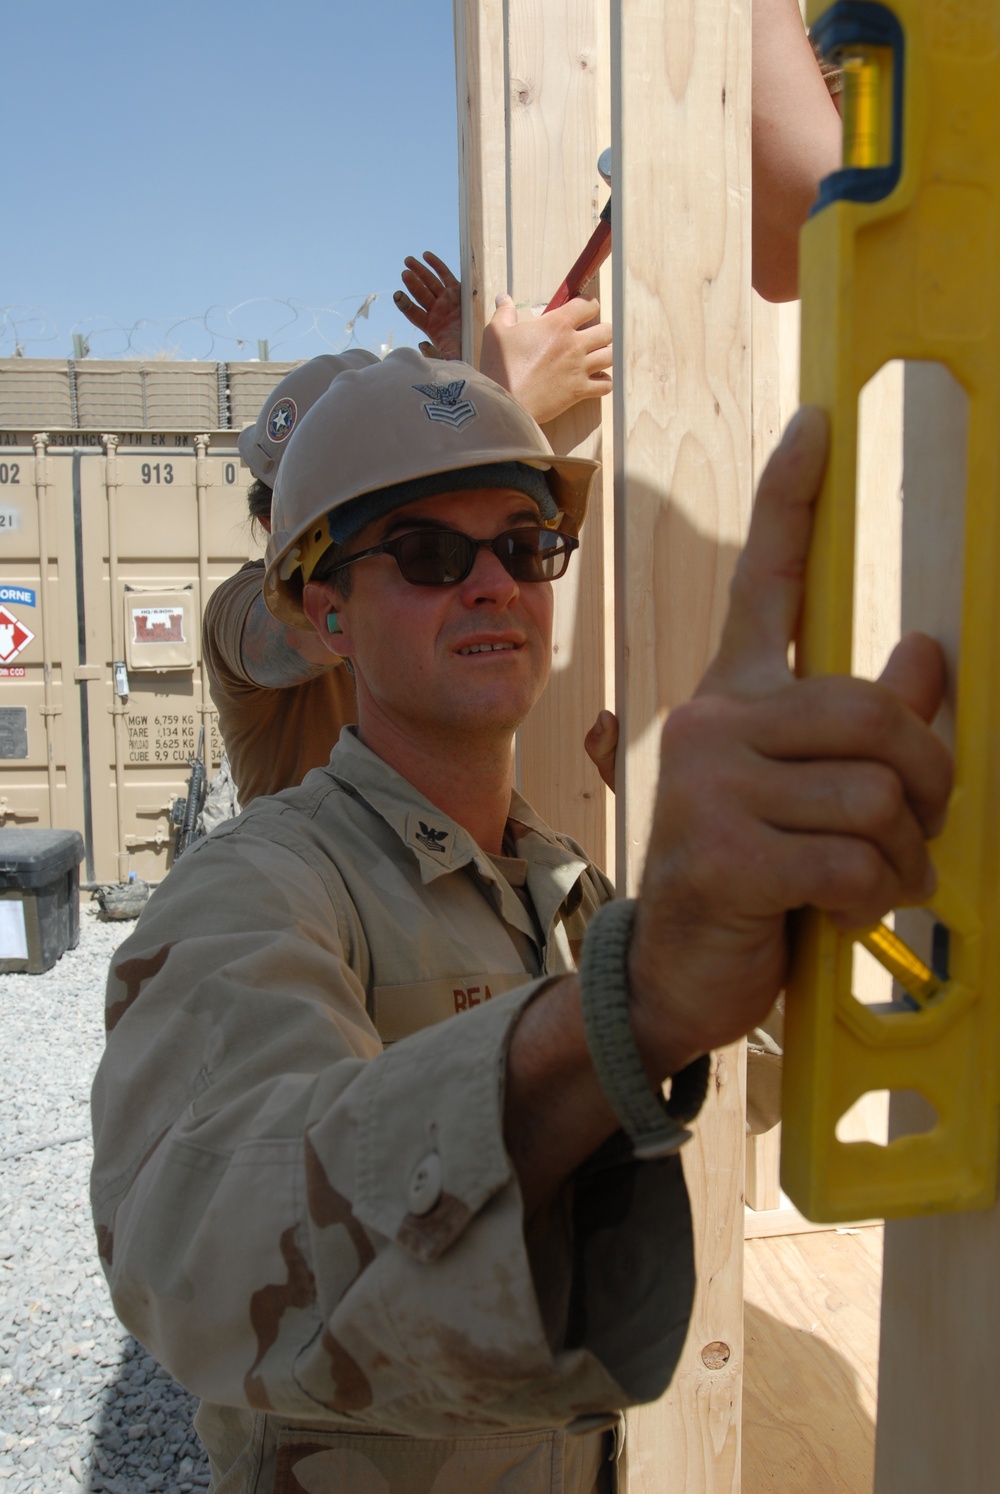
point(281, 419)
point(447, 403)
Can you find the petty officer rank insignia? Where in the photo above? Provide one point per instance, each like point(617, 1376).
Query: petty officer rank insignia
point(281, 419)
point(432, 839)
point(447, 404)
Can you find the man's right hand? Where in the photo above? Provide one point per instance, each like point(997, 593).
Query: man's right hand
point(548, 363)
point(552, 362)
point(777, 792)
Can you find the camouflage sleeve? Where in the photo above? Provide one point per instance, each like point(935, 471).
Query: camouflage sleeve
point(294, 1220)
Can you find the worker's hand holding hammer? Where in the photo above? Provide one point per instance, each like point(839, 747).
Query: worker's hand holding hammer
point(549, 363)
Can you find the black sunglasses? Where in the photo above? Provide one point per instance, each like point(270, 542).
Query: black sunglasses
point(443, 557)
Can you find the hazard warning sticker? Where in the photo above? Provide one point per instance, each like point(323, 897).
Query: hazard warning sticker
point(158, 625)
point(14, 636)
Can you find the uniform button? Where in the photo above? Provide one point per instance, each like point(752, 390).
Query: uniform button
point(425, 1185)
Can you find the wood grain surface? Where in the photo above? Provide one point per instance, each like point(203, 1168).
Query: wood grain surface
point(811, 1367)
point(681, 310)
point(939, 1380)
point(534, 96)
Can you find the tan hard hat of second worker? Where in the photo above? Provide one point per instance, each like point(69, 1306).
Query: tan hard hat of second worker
point(379, 1173)
point(263, 444)
point(280, 705)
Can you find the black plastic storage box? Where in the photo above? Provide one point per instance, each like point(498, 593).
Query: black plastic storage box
point(39, 898)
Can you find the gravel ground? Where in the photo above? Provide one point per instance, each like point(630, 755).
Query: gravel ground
point(82, 1405)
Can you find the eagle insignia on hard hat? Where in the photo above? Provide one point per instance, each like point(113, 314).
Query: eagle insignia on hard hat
point(281, 419)
point(447, 403)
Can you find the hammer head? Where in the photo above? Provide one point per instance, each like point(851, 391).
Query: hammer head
point(604, 165)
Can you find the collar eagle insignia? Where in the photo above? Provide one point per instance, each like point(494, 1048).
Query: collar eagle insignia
point(446, 403)
point(432, 839)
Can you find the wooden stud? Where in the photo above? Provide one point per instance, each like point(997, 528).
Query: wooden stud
point(775, 374)
point(560, 105)
point(774, 397)
point(763, 1190)
point(681, 278)
point(535, 80)
point(681, 274)
point(938, 1381)
point(481, 81)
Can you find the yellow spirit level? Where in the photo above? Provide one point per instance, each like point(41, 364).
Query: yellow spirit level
point(901, 259)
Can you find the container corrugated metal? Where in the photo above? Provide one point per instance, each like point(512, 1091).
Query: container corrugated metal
point(112, 539)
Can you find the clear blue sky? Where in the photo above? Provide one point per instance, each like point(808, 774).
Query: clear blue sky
point(171, 161)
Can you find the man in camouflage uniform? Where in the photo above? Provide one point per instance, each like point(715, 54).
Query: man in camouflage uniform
point(403, 1254)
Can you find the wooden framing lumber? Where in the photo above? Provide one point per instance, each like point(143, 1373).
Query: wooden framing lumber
point(938, 1381)
point(763, 1190)
point(775, 333)
point(534, 117)
point(682, 432)
point(681, 310)
point(481, 79)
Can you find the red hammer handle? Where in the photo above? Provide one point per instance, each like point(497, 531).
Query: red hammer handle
point(586, 267)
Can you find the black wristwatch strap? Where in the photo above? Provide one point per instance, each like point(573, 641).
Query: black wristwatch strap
point(654, 1125)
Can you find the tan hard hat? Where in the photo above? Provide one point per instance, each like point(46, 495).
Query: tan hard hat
point(380, 431)
point(263, 444)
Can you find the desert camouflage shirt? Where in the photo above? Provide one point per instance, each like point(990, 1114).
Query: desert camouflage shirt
point(303, 1202)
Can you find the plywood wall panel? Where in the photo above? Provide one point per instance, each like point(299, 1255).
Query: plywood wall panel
point(679, 78)
point(534, 93)
point(682, 501)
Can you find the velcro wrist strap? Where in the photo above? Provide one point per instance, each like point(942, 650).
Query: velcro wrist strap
point(654, 1125)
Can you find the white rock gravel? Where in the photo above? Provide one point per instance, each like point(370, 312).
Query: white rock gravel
point(82, 1405)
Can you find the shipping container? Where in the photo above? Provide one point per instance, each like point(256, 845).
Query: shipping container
point(122, 507)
